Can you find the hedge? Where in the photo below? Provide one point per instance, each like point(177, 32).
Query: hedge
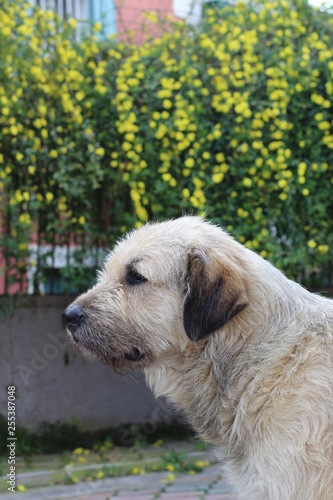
point(232, 119)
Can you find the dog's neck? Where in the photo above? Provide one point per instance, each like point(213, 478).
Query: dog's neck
point(193, 379)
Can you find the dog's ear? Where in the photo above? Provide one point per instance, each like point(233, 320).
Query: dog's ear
point(214, 293)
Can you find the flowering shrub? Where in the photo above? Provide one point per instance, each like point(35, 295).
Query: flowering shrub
point(232, 119)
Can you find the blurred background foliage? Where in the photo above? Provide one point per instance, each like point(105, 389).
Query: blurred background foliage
point(232, 118)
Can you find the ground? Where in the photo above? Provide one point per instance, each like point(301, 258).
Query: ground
point(183, 471)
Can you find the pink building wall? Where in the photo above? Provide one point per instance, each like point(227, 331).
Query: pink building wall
point(130, 16)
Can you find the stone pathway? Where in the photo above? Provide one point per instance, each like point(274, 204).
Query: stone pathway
point(207, 485)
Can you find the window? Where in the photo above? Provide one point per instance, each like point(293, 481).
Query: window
point(58, 270)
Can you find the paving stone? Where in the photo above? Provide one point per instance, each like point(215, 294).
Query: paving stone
point(134, 495)
point(185, 487)
point(221, 496)
point(180, 496)
point(198, 478)
point(221, 488)
point(141, 492)
point(92, 496)
point(138, 495)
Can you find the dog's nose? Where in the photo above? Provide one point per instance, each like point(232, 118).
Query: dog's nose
point(73, 315)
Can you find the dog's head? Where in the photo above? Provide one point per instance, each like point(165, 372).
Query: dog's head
point(164, 286)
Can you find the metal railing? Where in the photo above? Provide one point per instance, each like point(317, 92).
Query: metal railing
point(79, 9)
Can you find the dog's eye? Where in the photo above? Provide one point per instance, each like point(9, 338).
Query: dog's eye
point(134, 278)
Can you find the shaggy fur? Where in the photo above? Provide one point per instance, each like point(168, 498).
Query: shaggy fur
point(245, 352)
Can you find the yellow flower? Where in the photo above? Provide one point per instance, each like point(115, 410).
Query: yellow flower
point(82, 220)
point(99, 71)
point(247, 182)
point(194, 202)
point(6, 31)
point(167, 104)
point(283, 196)
point(151, 16)
point(25, 218)
point(97, 27)
point(323, 249)
point(129, 136)
point(158, 443)
point(170, 467)
point(242, 213)
point(217, 178)
point(282, 183)
point(19, 156)
point(49, 197)
point(135, 195)
point(166, 177)
point(21, 487)
point(72, 23)
point(162, 130)
point(99, 151)
point(163, 94)
point(305, 192)
point(189, 162)
point(312, 244)
point(220, 157)
point(135, 470)
point(81, 460)
point(79, 95)
point(42, 109)
point(171, 477)
point(259, 162)
point(53, 153)
point(324, 125)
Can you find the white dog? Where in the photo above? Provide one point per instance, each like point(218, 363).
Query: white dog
point(245, 352)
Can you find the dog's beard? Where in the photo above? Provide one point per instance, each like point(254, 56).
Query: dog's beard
point(94, 347)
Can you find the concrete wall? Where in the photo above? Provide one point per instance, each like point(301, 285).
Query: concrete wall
point(54, 383)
